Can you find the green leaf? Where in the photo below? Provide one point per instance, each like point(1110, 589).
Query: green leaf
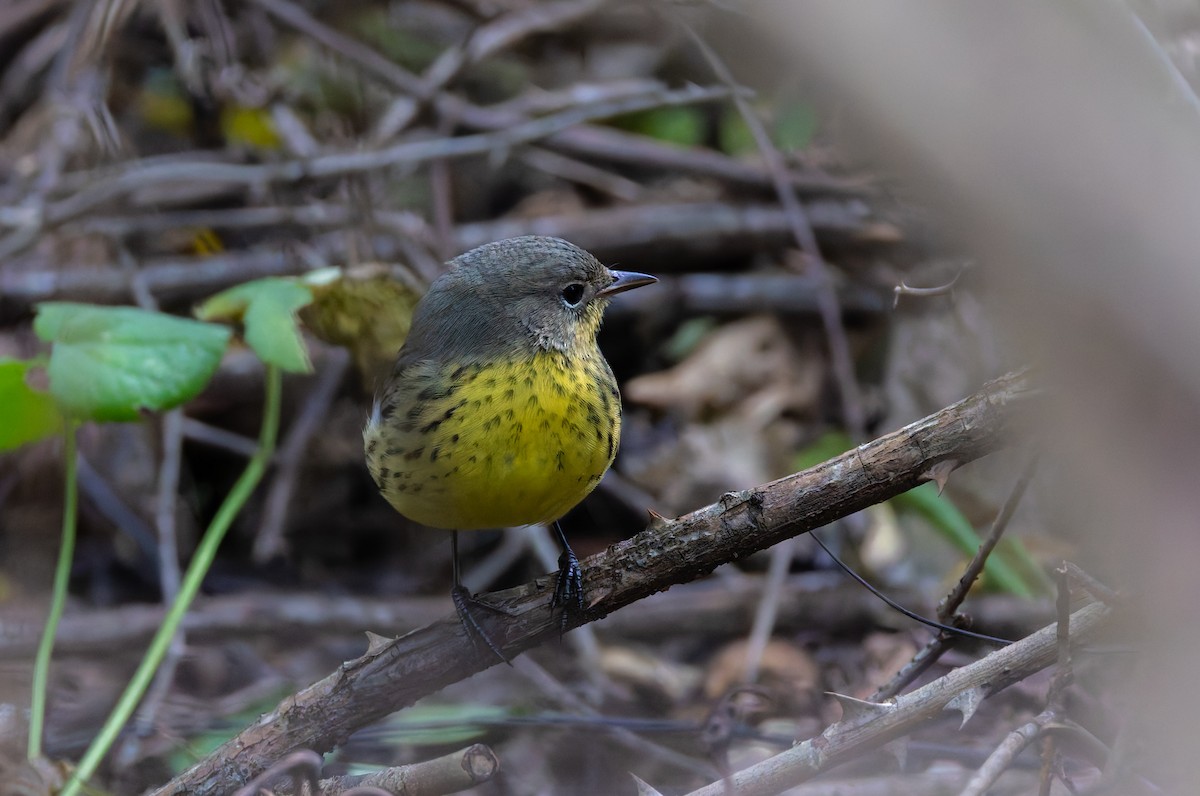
point(733, 134)
point(29, 415)
point(679, 126)
point(796, 126)
point(111, 363)
point(688, 337)
point(267, 308)
point(825, 447)
point(195, 748)
point(951, 524)
point(1009, 567)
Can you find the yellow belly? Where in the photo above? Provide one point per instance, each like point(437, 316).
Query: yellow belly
point(490, 445)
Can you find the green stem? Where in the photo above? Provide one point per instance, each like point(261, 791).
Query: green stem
point(201, 561)
point(62, 577)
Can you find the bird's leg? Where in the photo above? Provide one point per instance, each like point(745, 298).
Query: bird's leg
point(568, 590)
point(464, 601)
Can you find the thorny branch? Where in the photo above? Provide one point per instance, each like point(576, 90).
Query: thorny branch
point(394, 674)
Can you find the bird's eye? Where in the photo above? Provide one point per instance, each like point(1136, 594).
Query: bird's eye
point(572, 294)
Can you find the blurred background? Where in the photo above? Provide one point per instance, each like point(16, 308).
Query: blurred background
point(859, 213)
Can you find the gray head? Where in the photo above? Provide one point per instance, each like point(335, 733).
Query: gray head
point(517, 294)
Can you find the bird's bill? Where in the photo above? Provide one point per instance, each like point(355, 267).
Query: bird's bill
point(626, 280)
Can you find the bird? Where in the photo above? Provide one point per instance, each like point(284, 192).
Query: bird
point(501, 409)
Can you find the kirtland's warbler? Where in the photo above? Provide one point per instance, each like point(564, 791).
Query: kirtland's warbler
point(501, 410)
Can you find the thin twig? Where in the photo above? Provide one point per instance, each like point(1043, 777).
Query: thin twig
point(582, 173)
point(547, 684)
point(1017, 740)
point(949, 605)
point(311, 214)
point(101, 495)
point(1004, 754)
point(1064, 675)
point(586, 140)
point(947, 611)
point(874, 724)
point(1093, 586)
point(169, 577)
point(768, 608)
point(828, 307)
point(831, 314)
point(269, 541)
point(442, 202)
point(112, 185)
point(168, 491)
point(503, 32)
point(16, 14)
point(926, 292)
point(218, 437)
point(352, 49)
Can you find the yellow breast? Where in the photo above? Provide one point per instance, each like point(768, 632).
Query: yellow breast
point(486, 445)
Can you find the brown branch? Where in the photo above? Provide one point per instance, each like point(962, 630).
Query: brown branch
point(706, 608)
point(450, 773)
point(394, 674)
point(17, 14)
point(686, 231)
point(577, 171)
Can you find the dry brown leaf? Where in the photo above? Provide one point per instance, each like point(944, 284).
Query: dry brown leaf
point(364, 308)
point(786, 671)
point(649, 675)
point(734, 362)
point(749, 382)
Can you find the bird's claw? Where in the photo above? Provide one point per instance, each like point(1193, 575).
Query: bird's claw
point(463, 602)
point(568, 590)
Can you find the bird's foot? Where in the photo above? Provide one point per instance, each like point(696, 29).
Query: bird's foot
point(464, 603)
point(568, 590)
